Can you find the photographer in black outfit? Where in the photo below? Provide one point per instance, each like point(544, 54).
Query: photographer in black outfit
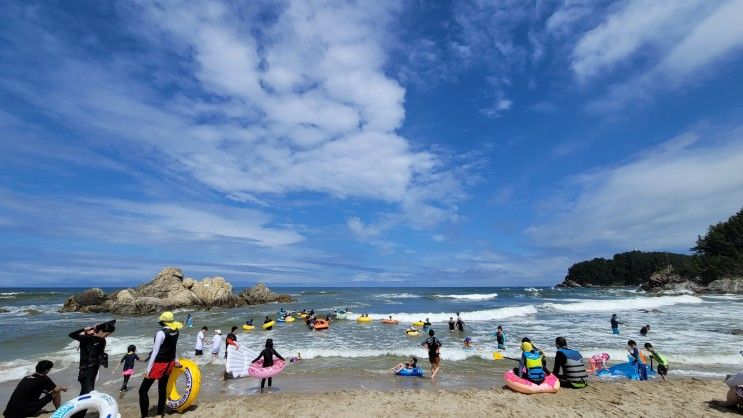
point(92, 355)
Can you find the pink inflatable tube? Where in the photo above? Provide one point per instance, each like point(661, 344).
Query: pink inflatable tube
point(551, 384)
point(257, 370)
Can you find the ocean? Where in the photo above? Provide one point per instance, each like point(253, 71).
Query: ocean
point(696, 334)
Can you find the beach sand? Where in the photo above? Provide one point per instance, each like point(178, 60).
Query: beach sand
point(675, 398)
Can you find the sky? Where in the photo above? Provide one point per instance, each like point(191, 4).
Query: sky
point(363, 143)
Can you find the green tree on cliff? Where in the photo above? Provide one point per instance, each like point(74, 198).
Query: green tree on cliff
point(721, 250)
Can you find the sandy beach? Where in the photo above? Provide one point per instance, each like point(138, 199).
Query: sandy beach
point(675, 398)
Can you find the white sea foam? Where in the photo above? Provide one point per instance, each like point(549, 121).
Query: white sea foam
point(484, 315)
point(471, 296)
point(531, 290)
point(629, 304)
point(24, 310)
point(11, 293)
point(396, 296)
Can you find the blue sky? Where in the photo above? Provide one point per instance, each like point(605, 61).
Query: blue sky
point(372, 144)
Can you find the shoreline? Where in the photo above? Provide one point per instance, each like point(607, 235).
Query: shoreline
point(678, 397)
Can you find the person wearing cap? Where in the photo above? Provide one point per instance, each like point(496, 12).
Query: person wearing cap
point(468, 343)
point(532, 366)
point(33, 393)
point(216, 343)
point(92, 355)
point(162, 359)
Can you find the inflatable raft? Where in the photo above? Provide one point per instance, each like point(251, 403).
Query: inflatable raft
point(104, 404)
point(390, 321)
point(551, 384)
point(257, 370)
point(248, 327)
point(363, 319)
point(268, 325)
point(320, 324)
point(415, 372)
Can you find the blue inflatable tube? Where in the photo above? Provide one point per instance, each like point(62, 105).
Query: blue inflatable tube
point(629, 370)
point(416, 372)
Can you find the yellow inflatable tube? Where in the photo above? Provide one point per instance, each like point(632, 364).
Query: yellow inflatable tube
point(418, 323)
point(192, 382)
point(363, 319)
point(289, 319)
point(269, 324)
point(248, 327)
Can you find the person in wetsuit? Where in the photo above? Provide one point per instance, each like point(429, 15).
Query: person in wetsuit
point(452, 324)
point(644, 330)
point(231, 340)
point(267, 320)
point(162, 359)
point(267, 355)
point(92, 355)
point(460, 323)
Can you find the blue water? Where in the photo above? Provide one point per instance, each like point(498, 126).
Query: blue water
point(693, 332)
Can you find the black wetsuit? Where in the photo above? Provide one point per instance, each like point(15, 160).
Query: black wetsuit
point(451, 325)
point(92, 350)
point(644, 331)
point(267, 355)
point(460, 324)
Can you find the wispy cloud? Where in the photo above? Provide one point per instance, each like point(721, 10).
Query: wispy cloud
point(662, 198)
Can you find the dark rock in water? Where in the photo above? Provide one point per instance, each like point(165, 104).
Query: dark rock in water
point(569, 284)
point(736, 331)
point(32, 312)
point(170, 290)
point(3, 310)
point(651, 311)
point(260, 294)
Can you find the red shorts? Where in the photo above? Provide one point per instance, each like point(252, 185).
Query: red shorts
point(160, 369)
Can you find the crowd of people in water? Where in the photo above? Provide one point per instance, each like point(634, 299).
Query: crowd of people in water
point(37, 390)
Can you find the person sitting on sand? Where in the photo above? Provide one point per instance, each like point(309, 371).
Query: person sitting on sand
point(569, 366)
point(660, 359)
point(267, 354)
point(500, 338)
point(531, 365)
point(434, 352)
point(644, 330)
point(410, 364)
point(634, 352)
point(33, 392)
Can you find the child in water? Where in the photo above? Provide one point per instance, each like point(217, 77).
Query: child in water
point(500, 338)
point(660, 359)
point(128, 361)
point(296, 359)
point(410, 364)
point(267, 355)
point(468, 344)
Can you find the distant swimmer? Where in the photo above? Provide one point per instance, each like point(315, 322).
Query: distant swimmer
point(460, 323)
point(644, 330)
point(267, 321)
point(452, 324)
point(500, 338)
point(427, 324)
point(615, 324)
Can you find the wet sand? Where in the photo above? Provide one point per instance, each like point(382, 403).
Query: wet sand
point(675, 398)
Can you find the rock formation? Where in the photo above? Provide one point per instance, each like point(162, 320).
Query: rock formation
point(668, 281)
point(170, 290)
point(732, 285)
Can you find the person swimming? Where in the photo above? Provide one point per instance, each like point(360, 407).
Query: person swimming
point(267, 321)
point(410, 364)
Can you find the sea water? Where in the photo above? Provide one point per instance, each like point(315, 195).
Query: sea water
point(696, 334)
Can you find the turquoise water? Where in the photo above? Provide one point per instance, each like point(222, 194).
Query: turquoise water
point(693, 332)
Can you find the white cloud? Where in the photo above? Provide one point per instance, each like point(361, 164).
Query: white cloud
point(301, 105)
point(662, 198)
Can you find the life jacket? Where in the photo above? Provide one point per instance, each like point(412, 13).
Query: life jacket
point(659, 358)
point(574, 370)
point(167, 348)
point(533, 363)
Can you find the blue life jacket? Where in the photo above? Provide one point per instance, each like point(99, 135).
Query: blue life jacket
point(533, 363)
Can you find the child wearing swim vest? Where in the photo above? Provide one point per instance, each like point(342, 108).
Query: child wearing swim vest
point(660, 359)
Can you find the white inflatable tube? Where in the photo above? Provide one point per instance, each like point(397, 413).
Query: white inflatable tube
point(104, 404)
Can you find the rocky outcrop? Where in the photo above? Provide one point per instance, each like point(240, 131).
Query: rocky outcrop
point(260, 294)
point(732, 286)
point(667, 281)
point(170, 290)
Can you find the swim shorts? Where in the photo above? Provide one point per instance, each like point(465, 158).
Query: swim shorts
point(160, 369)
